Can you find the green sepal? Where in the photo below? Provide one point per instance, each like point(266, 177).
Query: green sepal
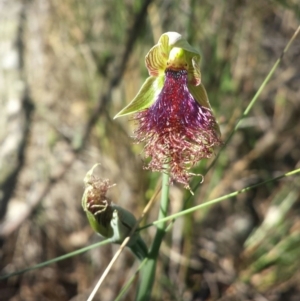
point(176, 40)
point(122, 223)
point(145, 97)
point(106, 232)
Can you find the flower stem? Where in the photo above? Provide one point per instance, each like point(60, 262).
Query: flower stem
point(148, 271)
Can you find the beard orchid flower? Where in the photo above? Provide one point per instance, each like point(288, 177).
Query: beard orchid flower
point(172, 111)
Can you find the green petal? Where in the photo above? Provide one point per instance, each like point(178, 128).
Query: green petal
point(156, 58)
point(145, 97)
point(200, 95)
point(194, 74)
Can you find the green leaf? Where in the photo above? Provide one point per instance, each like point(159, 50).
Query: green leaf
point(145, 97)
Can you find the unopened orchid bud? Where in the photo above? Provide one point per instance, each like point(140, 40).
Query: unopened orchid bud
point(108, 219)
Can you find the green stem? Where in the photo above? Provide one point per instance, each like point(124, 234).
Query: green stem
point(148, 271)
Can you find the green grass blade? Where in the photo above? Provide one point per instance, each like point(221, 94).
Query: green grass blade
point(45, 263)
point(222, 198)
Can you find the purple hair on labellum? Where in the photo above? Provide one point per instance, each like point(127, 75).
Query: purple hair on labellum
point(177, 130)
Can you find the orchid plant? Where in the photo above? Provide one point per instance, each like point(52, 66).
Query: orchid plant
point(176, 123)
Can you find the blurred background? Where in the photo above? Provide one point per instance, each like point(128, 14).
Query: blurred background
point(67, 67)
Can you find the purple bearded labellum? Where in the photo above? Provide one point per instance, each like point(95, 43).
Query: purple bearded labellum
point(173, 114)
point(176, 129)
